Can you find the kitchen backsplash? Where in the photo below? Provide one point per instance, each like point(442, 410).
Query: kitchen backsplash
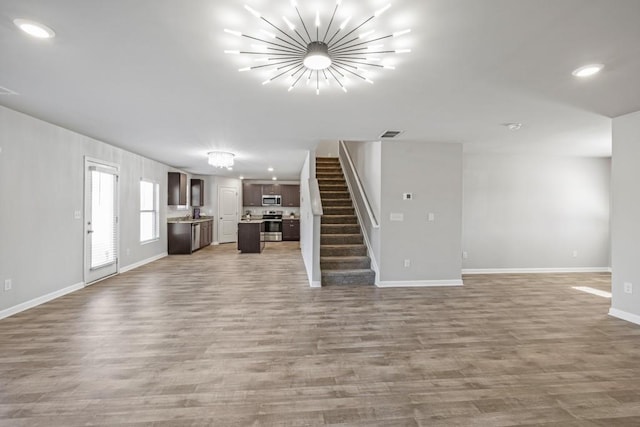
point(261, 210)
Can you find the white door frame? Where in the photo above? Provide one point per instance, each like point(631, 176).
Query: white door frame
point(89, 161)
point(221, 210)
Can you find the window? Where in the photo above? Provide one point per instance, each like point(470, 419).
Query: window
point(149, 211)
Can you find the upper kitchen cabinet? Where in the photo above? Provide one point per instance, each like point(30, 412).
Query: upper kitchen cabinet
point(251, 195)
point(177, 189)
point(271, 189)
point(197, 192)
point(290, 195)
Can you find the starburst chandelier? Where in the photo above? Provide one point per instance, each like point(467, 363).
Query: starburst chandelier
point(318, 54)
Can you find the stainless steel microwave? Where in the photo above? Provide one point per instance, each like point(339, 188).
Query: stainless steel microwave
point(271, 200)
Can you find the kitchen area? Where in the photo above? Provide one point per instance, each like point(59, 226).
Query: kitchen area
point(271, 213)
point(265, 212)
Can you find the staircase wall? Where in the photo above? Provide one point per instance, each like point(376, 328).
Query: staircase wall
point(432, 172)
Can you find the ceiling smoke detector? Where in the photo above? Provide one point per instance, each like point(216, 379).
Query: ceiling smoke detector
point(513, 126)
point(391, 133)
point(5, 91)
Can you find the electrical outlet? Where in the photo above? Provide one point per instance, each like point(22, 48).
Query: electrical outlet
point(575, 253)
point(407, 263)
point(77, 215)
point(8, 284)
point(407, 196)
point(628, 288)
point(465, 255)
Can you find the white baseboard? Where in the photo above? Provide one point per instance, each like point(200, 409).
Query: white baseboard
point(316, 284)
point(418, 283)
point(215, 243)
point(143, 262)
point(535, 270)
point(40, 300)
point(629, 317)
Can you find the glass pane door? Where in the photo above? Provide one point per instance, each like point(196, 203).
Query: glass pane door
point(101, 207)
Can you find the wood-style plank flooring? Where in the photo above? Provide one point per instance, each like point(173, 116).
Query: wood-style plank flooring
point(223, 339)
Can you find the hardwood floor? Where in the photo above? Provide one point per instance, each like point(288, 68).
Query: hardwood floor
point(223, 339)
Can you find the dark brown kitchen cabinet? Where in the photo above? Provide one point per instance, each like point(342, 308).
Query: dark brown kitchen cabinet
point(252, 195)
point(290, 229)
point(250, 237)
point(179, 238)
point(197, 192)
point(177, 185)
point(290, 195)
point(271, 189)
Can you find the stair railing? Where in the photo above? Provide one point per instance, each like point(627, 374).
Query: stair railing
point(360, 196)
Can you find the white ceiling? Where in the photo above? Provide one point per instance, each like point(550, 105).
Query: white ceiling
point(150, 76)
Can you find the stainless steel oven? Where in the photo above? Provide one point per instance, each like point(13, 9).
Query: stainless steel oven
point(274, 201)
point(272, 226)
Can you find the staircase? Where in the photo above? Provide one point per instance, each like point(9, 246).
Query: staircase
point(343, 255)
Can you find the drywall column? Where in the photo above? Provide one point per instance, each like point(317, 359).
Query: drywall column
point(427, 229)
point(625, 218)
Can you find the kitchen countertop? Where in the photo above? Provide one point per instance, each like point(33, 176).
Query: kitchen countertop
point(180, 220)
point(252, 221)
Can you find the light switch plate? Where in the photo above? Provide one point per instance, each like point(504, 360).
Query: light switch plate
point(431, 216)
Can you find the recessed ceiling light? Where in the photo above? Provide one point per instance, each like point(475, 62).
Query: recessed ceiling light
point(588, 70)
point(241, 177)
point(274, 178)
point(34, 29)
point(270, 169)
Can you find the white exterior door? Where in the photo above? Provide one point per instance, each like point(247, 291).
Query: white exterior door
point(227, 214)
point(101, 220)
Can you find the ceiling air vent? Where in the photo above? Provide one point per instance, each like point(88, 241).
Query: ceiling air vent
point(391, 134)
point(5, 91)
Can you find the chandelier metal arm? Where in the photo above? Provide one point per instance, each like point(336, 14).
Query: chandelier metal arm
point(361, 63)
point(283, 73)
point(243, 52)
point(283, 32)
point(330, 22)
point(349, 50)
point(354, 30)
point(303, 24)
point(336, 79)
point(255, 67)
point(297, 80)
point(337, 64)
point(336, 70)
point(343, 45)
point(292, 62)
point(347, 46)
point(295, 48)
point(292, 52)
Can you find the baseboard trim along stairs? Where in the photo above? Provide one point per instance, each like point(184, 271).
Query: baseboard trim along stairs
point(343, 254)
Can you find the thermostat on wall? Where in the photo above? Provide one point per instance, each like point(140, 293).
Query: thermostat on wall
point(407, 196)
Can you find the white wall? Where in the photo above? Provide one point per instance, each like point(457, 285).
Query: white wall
point(625, 221)
point(528, 212)
point(41, 186)
point(433, 173)
point(327, 149)
point(367, 159)
point(309, 227)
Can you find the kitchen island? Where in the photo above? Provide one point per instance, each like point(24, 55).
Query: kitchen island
point(250, 236)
